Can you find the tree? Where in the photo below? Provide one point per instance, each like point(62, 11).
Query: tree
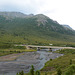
point(59, 72)
point(70, 70)
point(50, 59)
point(70, 61)
point(37, 72)
point(32, 70)
point(20, 73)
point(45, 73)
point(17, 74)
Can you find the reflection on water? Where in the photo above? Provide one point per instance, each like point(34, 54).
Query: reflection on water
point(24, 62)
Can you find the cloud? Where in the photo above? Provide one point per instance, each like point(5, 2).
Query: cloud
point(28, 6)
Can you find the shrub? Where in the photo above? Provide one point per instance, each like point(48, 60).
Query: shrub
point(32, 70)
point(59, 72)
point(70, 70)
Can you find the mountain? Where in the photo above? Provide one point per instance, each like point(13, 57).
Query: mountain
point(14, 15)
point(20, 28)
point(68, 27)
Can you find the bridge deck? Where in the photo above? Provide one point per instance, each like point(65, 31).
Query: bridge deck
point(50, 47)
point(34, 46)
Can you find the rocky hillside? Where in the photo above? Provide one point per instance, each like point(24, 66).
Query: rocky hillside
point(14, 15)
point(67, 26)
point(16, 27)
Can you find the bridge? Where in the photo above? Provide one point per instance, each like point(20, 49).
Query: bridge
point(48, 47)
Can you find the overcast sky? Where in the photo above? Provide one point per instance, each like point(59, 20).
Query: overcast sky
point(62, 11)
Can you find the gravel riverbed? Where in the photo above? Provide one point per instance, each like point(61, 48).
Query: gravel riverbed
point(25, 60)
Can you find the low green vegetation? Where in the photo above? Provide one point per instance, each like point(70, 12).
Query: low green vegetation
point(6, 49)
point(62, 62)
point(66, 51)
point(20, 73)
point(32, 72)
point(12, 51)
point(26, 31)
point(64, 65)
point(70, 70)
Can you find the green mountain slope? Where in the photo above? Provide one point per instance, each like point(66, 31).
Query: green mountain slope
point(34, 29)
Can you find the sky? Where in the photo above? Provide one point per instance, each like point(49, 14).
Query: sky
point(63, 11)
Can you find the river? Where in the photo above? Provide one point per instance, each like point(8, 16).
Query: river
point(24, 62)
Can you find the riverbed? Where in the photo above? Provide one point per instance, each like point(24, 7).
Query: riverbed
point(25, 60)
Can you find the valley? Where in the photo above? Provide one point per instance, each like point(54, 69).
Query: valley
point(35, 31)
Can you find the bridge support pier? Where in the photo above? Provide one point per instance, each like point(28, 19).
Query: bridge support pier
point(28, 47)
point(50, 49)
point(38, 48)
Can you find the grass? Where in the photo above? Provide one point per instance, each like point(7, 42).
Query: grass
point(13, 51)
point(63, 62)
point(66, 51)
point(12, 54)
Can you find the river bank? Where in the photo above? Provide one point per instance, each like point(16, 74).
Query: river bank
point(63, 63)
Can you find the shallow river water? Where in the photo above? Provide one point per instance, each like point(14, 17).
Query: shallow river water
point(24, 62)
